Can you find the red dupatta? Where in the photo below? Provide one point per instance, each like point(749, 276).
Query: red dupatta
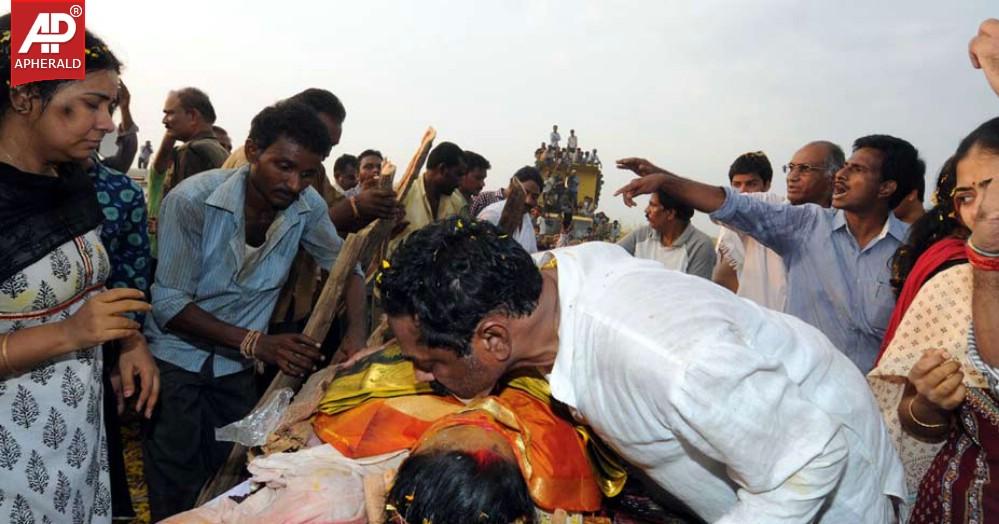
point(938, 254)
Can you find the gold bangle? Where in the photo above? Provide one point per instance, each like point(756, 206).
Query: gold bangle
point(253, 344)
point(4, 360)
point(248, 345)
point(921, 423)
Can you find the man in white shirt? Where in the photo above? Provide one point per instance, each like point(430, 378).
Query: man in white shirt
point(744, 414)
point(571, 143)
point(746, 266)
point(345, 175)
point(528, 180)
point(554, 138)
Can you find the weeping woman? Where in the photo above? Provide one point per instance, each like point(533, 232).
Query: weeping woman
point(54, 310)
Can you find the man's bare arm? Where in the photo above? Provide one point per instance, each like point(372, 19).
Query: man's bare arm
point(702, 197)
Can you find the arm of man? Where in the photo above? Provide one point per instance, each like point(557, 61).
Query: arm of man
point(738, 407)
point(371, 204)
point(180, 232)
point(725, 276)
point(984, 51)
point(778, 226)
point(321, 240)
point(174, 304)
point(128, 138)
point(730, 253)
point(128, 145)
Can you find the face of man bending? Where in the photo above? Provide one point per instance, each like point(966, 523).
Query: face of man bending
point(282, 171)
point(466, 377)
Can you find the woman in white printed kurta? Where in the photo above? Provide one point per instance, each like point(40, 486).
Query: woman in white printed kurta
point(53, 456)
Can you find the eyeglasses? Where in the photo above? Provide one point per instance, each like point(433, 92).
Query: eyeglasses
point(791, 167)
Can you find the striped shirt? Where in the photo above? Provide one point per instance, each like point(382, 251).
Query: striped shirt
point(832, 283)
point(204, 261)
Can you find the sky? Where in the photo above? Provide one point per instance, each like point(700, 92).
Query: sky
point(689, 85)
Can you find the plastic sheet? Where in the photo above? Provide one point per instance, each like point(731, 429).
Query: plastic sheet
point(252, 430)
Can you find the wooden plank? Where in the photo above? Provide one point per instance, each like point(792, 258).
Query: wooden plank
point(329, 303)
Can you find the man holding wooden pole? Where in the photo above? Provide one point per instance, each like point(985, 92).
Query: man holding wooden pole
point(228, 238)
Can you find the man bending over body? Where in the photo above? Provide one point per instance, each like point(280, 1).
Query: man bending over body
point(744, 414)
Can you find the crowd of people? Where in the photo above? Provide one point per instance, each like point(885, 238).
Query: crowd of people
point(833, 357)
point(552, 154)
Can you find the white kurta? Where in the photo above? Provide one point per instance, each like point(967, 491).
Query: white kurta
point(761, 272)
point(743, 413)
point(524, 236)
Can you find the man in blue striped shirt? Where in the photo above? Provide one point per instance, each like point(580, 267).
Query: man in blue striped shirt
point(227, 241)
point(837, 260)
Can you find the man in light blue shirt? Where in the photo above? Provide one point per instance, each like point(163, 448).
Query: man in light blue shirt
point(227, 241)
point(838, 260)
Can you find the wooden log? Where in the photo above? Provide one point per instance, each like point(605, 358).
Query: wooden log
point(328, 304)
point(416, 163)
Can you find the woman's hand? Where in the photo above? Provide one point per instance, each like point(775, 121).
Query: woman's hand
point(102, 318)
point(137, 361)
point(938, 380)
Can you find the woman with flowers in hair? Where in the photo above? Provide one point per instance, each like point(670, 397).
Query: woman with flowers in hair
point(936, 403)
point(54, 311)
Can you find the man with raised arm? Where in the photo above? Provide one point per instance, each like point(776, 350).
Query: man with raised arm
point(837, 259)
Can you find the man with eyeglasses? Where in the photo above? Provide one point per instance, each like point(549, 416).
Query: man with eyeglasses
point(746, 266)
point(837, 259)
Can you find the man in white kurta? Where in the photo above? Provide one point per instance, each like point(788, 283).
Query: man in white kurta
point(760, 270)
point(745, 414)
point(524, 236)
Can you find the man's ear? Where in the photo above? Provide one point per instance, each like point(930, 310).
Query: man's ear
point(251, 150)
point(493, 333)
point(887, 189)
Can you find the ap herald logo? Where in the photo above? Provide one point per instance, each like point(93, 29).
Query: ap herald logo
point(47, 41)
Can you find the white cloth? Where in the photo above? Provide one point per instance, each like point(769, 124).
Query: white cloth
point(554, 138)
point(309, 486)
point(524, 236)
point(745, 414)
point(571, 142)
point(761, 272)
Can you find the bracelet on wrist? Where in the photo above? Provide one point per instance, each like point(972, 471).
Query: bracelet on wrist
point(5, 367)
point(921, 423)
point(248, 347)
